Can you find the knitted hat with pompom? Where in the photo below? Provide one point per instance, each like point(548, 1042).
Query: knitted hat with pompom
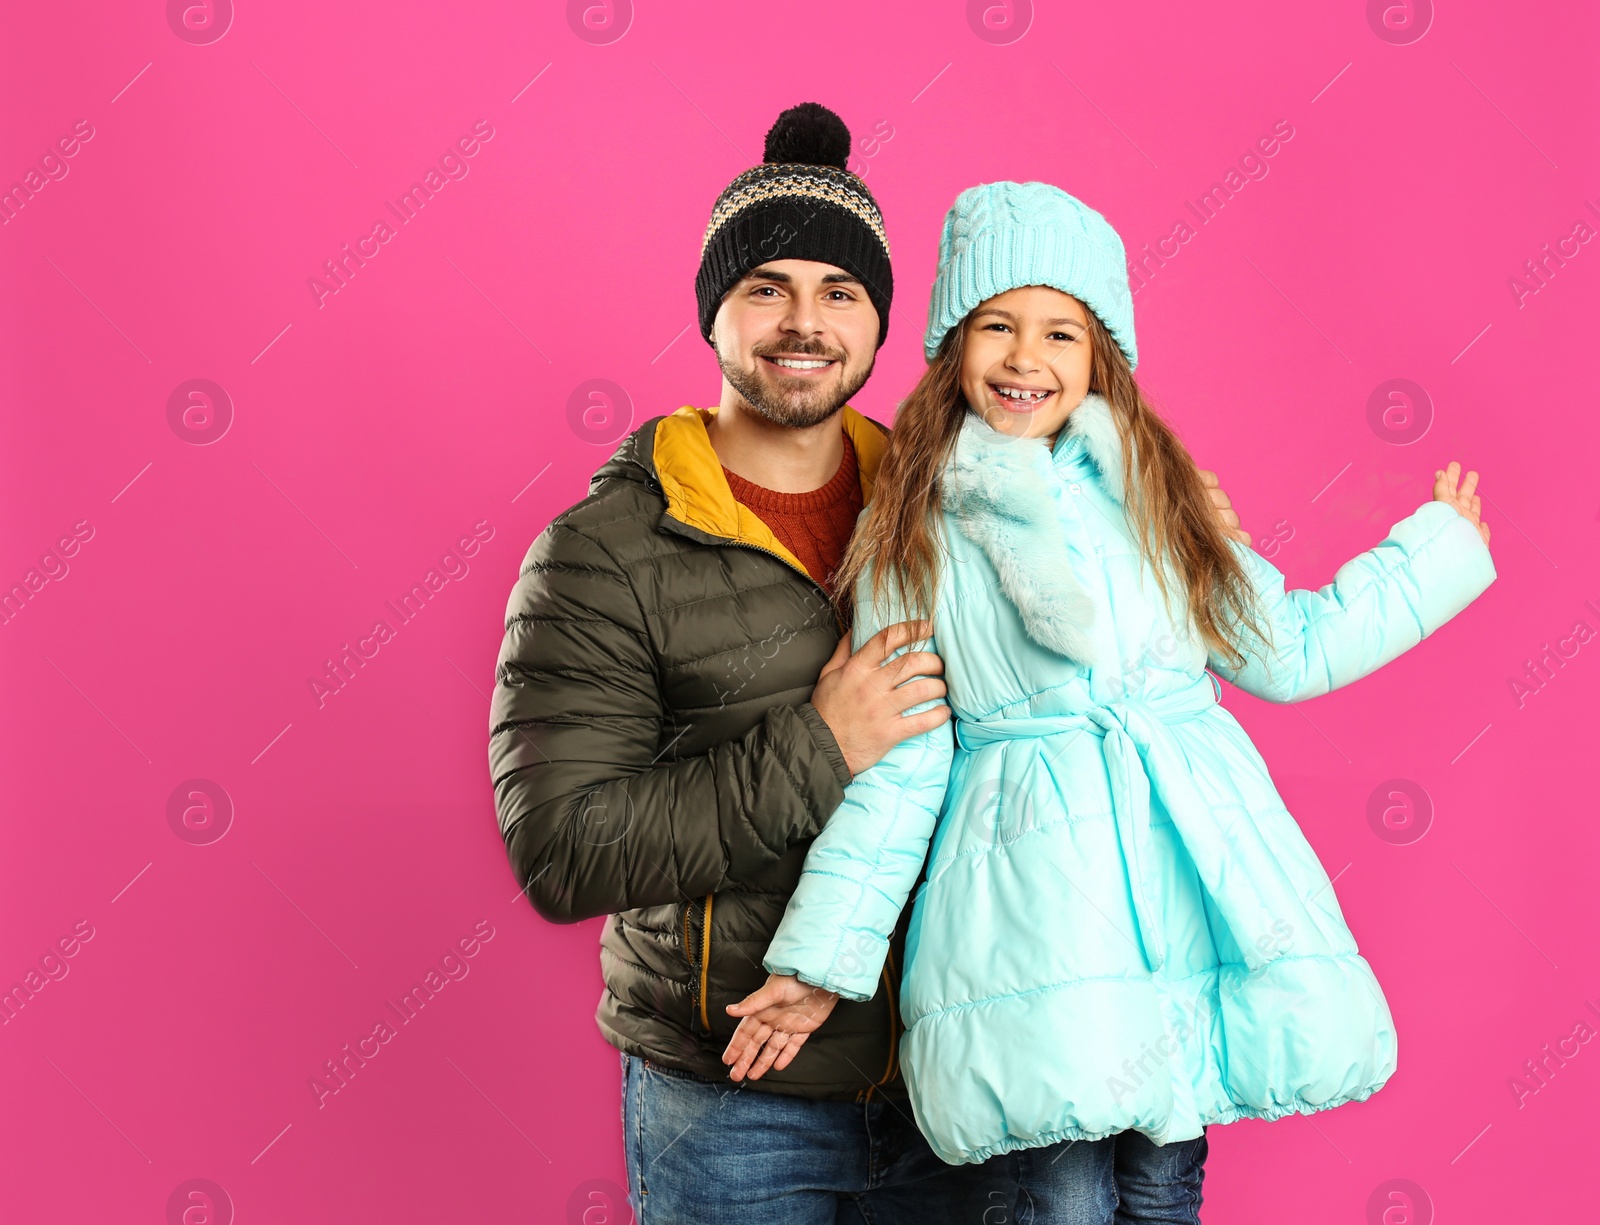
point(800, 203)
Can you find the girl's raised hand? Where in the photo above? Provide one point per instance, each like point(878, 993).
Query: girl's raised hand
point(1465, 499)
point(778, 1018)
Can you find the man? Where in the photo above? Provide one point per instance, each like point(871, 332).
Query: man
point(677, 713)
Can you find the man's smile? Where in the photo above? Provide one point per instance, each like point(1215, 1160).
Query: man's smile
point(799, 366)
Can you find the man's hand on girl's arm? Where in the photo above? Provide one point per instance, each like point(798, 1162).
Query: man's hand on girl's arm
point(863, 696)
point(778, 1018)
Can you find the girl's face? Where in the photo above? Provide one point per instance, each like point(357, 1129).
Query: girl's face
point(1025, 361)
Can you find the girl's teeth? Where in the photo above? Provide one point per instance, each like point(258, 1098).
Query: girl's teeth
point(1028, 397)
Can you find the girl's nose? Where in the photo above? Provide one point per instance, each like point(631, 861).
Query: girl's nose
point(1023, 359)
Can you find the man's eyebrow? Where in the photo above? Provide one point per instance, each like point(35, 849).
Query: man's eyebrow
point(772, 274)
point(991, 310)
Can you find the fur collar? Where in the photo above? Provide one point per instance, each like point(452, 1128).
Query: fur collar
point(1002, 495)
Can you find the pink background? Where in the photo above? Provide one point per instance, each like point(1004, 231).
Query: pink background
point(369, 434)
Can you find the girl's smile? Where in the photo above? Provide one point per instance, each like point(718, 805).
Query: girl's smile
point(1020, 398)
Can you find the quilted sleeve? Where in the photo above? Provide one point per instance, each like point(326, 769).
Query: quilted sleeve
point(861, 867)
point(1380, 604)
point(594, 819)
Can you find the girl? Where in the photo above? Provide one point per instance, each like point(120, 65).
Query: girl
point(1123, 937)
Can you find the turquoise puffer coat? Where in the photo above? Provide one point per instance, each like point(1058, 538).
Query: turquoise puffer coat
point(1122, 926)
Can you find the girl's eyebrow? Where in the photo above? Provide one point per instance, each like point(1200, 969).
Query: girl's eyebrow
point(1048, 322)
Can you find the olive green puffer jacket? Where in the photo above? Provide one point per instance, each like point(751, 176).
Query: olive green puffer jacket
point(656, 757)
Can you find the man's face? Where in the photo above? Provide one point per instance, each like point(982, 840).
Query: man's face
point(796, 338)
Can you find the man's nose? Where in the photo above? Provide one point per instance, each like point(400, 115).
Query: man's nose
point(803, 318)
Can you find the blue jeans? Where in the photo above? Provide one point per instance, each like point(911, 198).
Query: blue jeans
point(712, 1152)
point(1121, 1180)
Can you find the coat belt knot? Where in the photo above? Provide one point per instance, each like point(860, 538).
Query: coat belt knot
point(1142, 758)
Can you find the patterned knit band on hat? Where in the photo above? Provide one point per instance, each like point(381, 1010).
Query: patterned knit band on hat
point(801, 203)
point(1000, 236)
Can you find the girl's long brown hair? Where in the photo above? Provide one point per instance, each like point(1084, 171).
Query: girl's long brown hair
point(1175, 522)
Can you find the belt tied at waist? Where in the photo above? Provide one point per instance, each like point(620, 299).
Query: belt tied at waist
point(1142, 756)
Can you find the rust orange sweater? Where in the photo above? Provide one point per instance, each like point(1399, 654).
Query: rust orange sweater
point(814, 526)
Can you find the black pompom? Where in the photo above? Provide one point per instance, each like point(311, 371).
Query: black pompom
point(809, 133)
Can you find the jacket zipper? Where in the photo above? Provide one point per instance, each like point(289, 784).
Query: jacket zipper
point(688, 954)
point(705, 963)
point(699, 966)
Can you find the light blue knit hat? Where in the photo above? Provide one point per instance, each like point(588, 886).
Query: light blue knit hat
point(1000, 236)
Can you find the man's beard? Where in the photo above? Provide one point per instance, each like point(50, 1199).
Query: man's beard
point(800, 406)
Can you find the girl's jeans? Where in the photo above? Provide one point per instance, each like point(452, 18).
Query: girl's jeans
point(1121, 1180)
point(712, 1152)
